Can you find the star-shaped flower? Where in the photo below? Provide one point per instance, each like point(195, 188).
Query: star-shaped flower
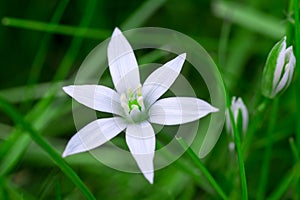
point(134, 106)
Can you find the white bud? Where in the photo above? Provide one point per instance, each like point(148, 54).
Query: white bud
point(279, 69)
point(240, 115)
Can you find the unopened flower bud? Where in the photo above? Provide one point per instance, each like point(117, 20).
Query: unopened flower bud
point(279, 69)
point(240, 115)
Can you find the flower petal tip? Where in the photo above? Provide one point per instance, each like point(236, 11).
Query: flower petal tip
point(65, 154)
point(117, 31)
point(214, 109)
point(149, 177)
point(69, 151)
point(183, 55)
point(69, 89)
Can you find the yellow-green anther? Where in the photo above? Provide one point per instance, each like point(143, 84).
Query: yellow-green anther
point(139, 91)
point(129, 93)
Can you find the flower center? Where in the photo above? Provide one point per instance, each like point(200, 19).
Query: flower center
point(133, 105)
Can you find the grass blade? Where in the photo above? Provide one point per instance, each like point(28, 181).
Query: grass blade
point(202, 168)
point(268, 152)
point(56, 28)
point(36, 137)
point(249, 18)
point(239, 152)
point(40, 108)
point(142, 14)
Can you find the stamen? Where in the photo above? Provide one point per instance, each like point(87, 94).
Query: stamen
point(139, 90)
point(130, 94)
point(125, 107)
point(123, 98)
point(140, 101)
point(124, 103)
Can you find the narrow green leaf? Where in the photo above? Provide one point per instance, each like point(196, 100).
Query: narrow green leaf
point(202, 168)
point(142, 14)
point(239, 152)
point(56, 28)
point(41, 108)
point(284, 185)
point(249, 18)
point(268, 152)
point(35, 136)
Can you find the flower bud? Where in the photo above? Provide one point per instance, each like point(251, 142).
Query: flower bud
point(279, 69)
point(240, 115)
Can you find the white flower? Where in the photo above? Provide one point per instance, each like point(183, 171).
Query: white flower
point(240, 115)
point(279, 69)
point(134, 106)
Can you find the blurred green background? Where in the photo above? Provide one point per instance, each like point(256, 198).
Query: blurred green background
point(36, 54)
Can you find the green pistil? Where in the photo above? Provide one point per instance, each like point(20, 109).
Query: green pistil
point(133, 102)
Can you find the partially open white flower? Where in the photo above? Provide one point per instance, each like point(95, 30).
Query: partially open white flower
point(240, 115)
point(134, 106)
point(279, 69)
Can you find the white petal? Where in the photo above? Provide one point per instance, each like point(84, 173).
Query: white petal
point(122, 63)
point(289, 71)
point(290, 54)
point(161, 79)
point(245, 115)
point(228, 122)
point(96, 97)
point(94, 134)
point(291, 64)
point(140, 139)
point(179, 110)
point(234, 108)
point(279, 63)
point(283, 82)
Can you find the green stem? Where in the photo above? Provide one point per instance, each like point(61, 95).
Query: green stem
point(144, 12)
point(183, 165)
point(56, 28)
point(39, 109)
point(239, 152)
point(267, 156)
point(223, 43)
point(255, 123)
point(41, 53)
point(294, 150)
point(297, 161)
point(297, 55)
point(289, 24)
point(278, 193)
point(36, 137)
point(34, 74)
point(202, 168)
